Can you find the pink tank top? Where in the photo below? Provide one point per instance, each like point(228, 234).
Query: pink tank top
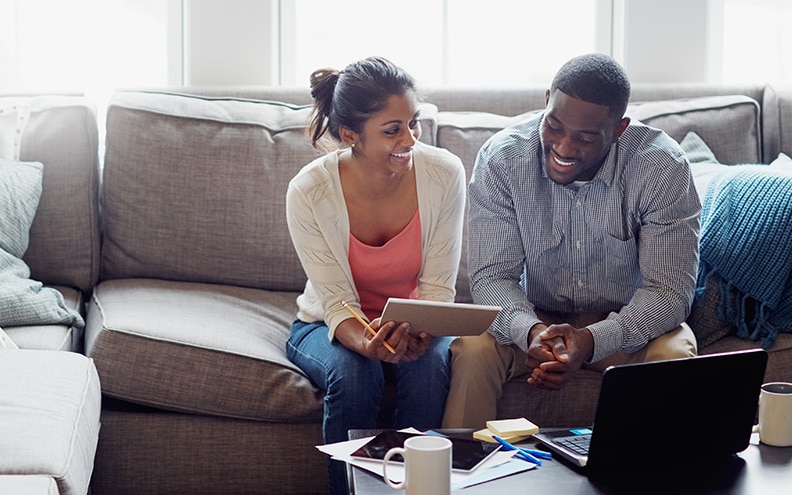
point(387, 271)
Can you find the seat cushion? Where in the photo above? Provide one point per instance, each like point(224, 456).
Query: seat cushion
point(28, 485)
point(49, 417)
point(199, 348)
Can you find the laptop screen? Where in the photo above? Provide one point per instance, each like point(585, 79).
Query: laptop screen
point(690, 410)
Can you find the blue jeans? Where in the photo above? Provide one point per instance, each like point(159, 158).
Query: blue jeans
point(353, 386)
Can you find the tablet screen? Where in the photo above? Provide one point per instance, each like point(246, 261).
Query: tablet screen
point(466, 455)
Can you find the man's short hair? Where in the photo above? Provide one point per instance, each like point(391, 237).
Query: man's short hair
point(595, 78)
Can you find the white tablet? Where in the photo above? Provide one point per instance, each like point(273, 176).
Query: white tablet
point(441, 318)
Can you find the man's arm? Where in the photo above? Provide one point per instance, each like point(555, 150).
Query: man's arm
point(669, 213)
point(496, 257)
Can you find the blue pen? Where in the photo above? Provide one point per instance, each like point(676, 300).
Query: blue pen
point(529, 455)
point(520, 453)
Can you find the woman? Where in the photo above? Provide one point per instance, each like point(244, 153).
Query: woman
point(380, 217)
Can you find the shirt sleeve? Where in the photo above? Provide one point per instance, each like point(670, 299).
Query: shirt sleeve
point(495, 253)
point(668, 257)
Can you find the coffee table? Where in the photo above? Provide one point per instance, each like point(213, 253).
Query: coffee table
point(759, 469)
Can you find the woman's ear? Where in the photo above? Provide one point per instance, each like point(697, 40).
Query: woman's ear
point(348, 136)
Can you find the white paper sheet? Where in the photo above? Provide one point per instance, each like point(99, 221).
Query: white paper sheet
point(500, 464)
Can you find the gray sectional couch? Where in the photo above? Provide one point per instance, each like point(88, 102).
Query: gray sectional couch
point(180, 260)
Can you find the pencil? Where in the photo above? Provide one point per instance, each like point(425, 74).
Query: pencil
point(368, 327)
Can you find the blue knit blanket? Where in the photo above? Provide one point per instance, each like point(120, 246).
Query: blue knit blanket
point(746, 238)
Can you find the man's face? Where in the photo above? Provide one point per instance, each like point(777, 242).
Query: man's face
point(576, 136)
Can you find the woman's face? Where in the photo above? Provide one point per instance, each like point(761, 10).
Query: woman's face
point(389, 135)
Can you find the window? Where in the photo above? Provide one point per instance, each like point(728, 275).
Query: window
point(82, 46)
point(756, 35)
point(440, 42)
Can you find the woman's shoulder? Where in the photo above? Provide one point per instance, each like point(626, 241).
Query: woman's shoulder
point(437, 156)
point(320, 169)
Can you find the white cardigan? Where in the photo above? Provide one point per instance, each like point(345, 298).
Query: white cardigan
point(319, 227)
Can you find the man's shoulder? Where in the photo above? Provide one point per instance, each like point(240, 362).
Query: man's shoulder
point(641, 138)
point(518, 139)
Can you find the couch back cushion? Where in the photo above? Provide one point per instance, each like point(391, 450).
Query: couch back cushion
point(64, 246)
point(731, 124)
point(195, 188)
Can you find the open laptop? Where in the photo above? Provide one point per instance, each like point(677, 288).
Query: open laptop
point(691, 411)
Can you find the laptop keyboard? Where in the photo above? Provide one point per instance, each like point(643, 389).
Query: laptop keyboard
point(578, 444)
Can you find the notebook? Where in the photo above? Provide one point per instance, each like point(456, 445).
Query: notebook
point(691, 411)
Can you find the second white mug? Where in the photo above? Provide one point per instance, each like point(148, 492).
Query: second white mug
point(775, 414)
point(427, 466)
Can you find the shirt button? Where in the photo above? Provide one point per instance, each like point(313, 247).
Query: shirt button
point(579, 203)
point(580, 283)
point(577, 244)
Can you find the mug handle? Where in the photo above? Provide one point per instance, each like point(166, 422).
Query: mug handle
point(392, 452)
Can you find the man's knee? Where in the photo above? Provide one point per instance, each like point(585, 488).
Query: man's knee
point(473, 350)
point(678, 343)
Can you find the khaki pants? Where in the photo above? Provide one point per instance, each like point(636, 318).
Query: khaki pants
point(480, 366)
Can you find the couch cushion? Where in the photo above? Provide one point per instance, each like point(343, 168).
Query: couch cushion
point(14, 115)
point(730, 125)
point(194, 189)
point(24, 301)
point(49, 417)
point(64, 238)
point(200, 348)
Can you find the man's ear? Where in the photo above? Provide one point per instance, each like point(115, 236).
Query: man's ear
point(348, 136)
point(620, 127)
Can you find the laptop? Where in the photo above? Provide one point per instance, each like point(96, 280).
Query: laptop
point(691, 411)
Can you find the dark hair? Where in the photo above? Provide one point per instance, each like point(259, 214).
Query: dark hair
point(350, 97)
point(595, 78)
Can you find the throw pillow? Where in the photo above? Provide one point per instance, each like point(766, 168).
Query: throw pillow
point(20, 190)
point(703, 164)
point(14, 115)
point(24, 301)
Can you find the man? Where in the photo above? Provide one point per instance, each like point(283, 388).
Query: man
point(584, 228)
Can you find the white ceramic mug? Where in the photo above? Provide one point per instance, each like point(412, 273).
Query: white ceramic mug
point(775, 414)
point(427, 466)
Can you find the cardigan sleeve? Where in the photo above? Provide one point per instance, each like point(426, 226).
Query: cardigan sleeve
point(441, 193)
point(320, 237)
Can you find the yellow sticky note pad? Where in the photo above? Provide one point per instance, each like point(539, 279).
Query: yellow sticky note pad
point(486, 436)
point(506, 428)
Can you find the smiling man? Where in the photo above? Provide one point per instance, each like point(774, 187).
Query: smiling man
point(583, 227)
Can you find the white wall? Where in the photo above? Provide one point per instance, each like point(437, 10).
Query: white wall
point(230, 42)
point(670, 40)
